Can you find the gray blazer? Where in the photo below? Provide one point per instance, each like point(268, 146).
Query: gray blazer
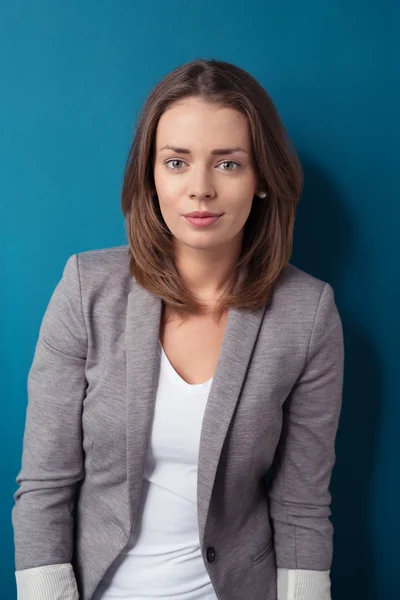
point(274, 406)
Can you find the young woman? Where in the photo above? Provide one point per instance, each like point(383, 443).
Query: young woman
point(173, 374)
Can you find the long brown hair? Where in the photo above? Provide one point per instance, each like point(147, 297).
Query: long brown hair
point(268, 232)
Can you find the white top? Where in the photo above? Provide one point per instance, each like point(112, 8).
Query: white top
point(163, 558)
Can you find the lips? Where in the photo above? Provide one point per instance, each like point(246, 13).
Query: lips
point(203, 221)
point(202, 214)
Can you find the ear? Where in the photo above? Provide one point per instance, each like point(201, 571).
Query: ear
point(261, 188)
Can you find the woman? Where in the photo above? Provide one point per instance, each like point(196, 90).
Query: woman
point(172, 374)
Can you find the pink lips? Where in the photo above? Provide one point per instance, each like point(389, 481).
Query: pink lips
point(202, 221)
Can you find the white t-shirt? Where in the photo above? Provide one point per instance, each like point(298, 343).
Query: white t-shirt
point(163, 557)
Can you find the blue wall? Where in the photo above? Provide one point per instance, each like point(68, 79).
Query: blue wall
point(73, 76)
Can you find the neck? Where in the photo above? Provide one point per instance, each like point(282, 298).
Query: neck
point(207, 272)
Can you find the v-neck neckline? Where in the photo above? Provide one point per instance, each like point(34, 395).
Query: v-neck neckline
point(177, 379)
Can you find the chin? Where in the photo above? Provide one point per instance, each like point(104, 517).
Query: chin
point(198, 244)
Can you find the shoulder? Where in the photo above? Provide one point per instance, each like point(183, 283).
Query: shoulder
point(99, 273)
point(301, 292)
point(296, 280)
point(104, 266)
point(115, 258)
point(303, 311)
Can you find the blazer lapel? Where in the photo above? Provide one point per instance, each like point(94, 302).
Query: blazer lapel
point(240, 335)
point(142, 364)
point(142, 370)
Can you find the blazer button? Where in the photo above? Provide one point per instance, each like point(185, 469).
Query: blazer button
point(211, 554)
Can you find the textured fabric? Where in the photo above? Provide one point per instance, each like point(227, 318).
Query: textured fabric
point(303, 585)
point(274, 405)
point(171, 482)
point(163, 559)
point(57, 583)
point(53, 582)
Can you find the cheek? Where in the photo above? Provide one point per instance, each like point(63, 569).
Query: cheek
point(240, 193)
point(169, 208)
point(167, 192)
point(242, 208)
point(167, 202)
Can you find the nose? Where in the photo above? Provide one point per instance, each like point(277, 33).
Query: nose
point(200, 184)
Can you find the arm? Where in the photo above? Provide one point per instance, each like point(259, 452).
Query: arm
point(300, 476)
point(296, 584)
point(52, 462)
point(52, 582)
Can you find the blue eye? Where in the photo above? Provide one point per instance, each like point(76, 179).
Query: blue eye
point(230, 162)
point(173, 160)
point(175, 167)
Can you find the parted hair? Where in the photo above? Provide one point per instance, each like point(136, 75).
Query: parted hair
point(268, 231)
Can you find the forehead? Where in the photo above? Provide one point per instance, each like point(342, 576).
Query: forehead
point(191, 122)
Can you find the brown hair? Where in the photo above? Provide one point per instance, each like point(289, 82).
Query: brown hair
point(268, 232)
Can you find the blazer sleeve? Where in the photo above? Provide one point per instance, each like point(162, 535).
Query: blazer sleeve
point(300, 476)
point(52, 461)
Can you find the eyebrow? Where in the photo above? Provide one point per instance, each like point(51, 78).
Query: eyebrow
point(217, 151)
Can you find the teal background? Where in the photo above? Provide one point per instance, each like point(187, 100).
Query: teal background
point(73, 76)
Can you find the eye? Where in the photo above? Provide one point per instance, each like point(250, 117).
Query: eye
point(173, 160)
point(230, 162)
point(175, 164)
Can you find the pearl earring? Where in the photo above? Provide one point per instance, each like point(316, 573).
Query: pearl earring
point(262, 195)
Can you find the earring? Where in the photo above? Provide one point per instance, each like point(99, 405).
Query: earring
point(262, 195)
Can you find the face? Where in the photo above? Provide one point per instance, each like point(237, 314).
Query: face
point(203, 162)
